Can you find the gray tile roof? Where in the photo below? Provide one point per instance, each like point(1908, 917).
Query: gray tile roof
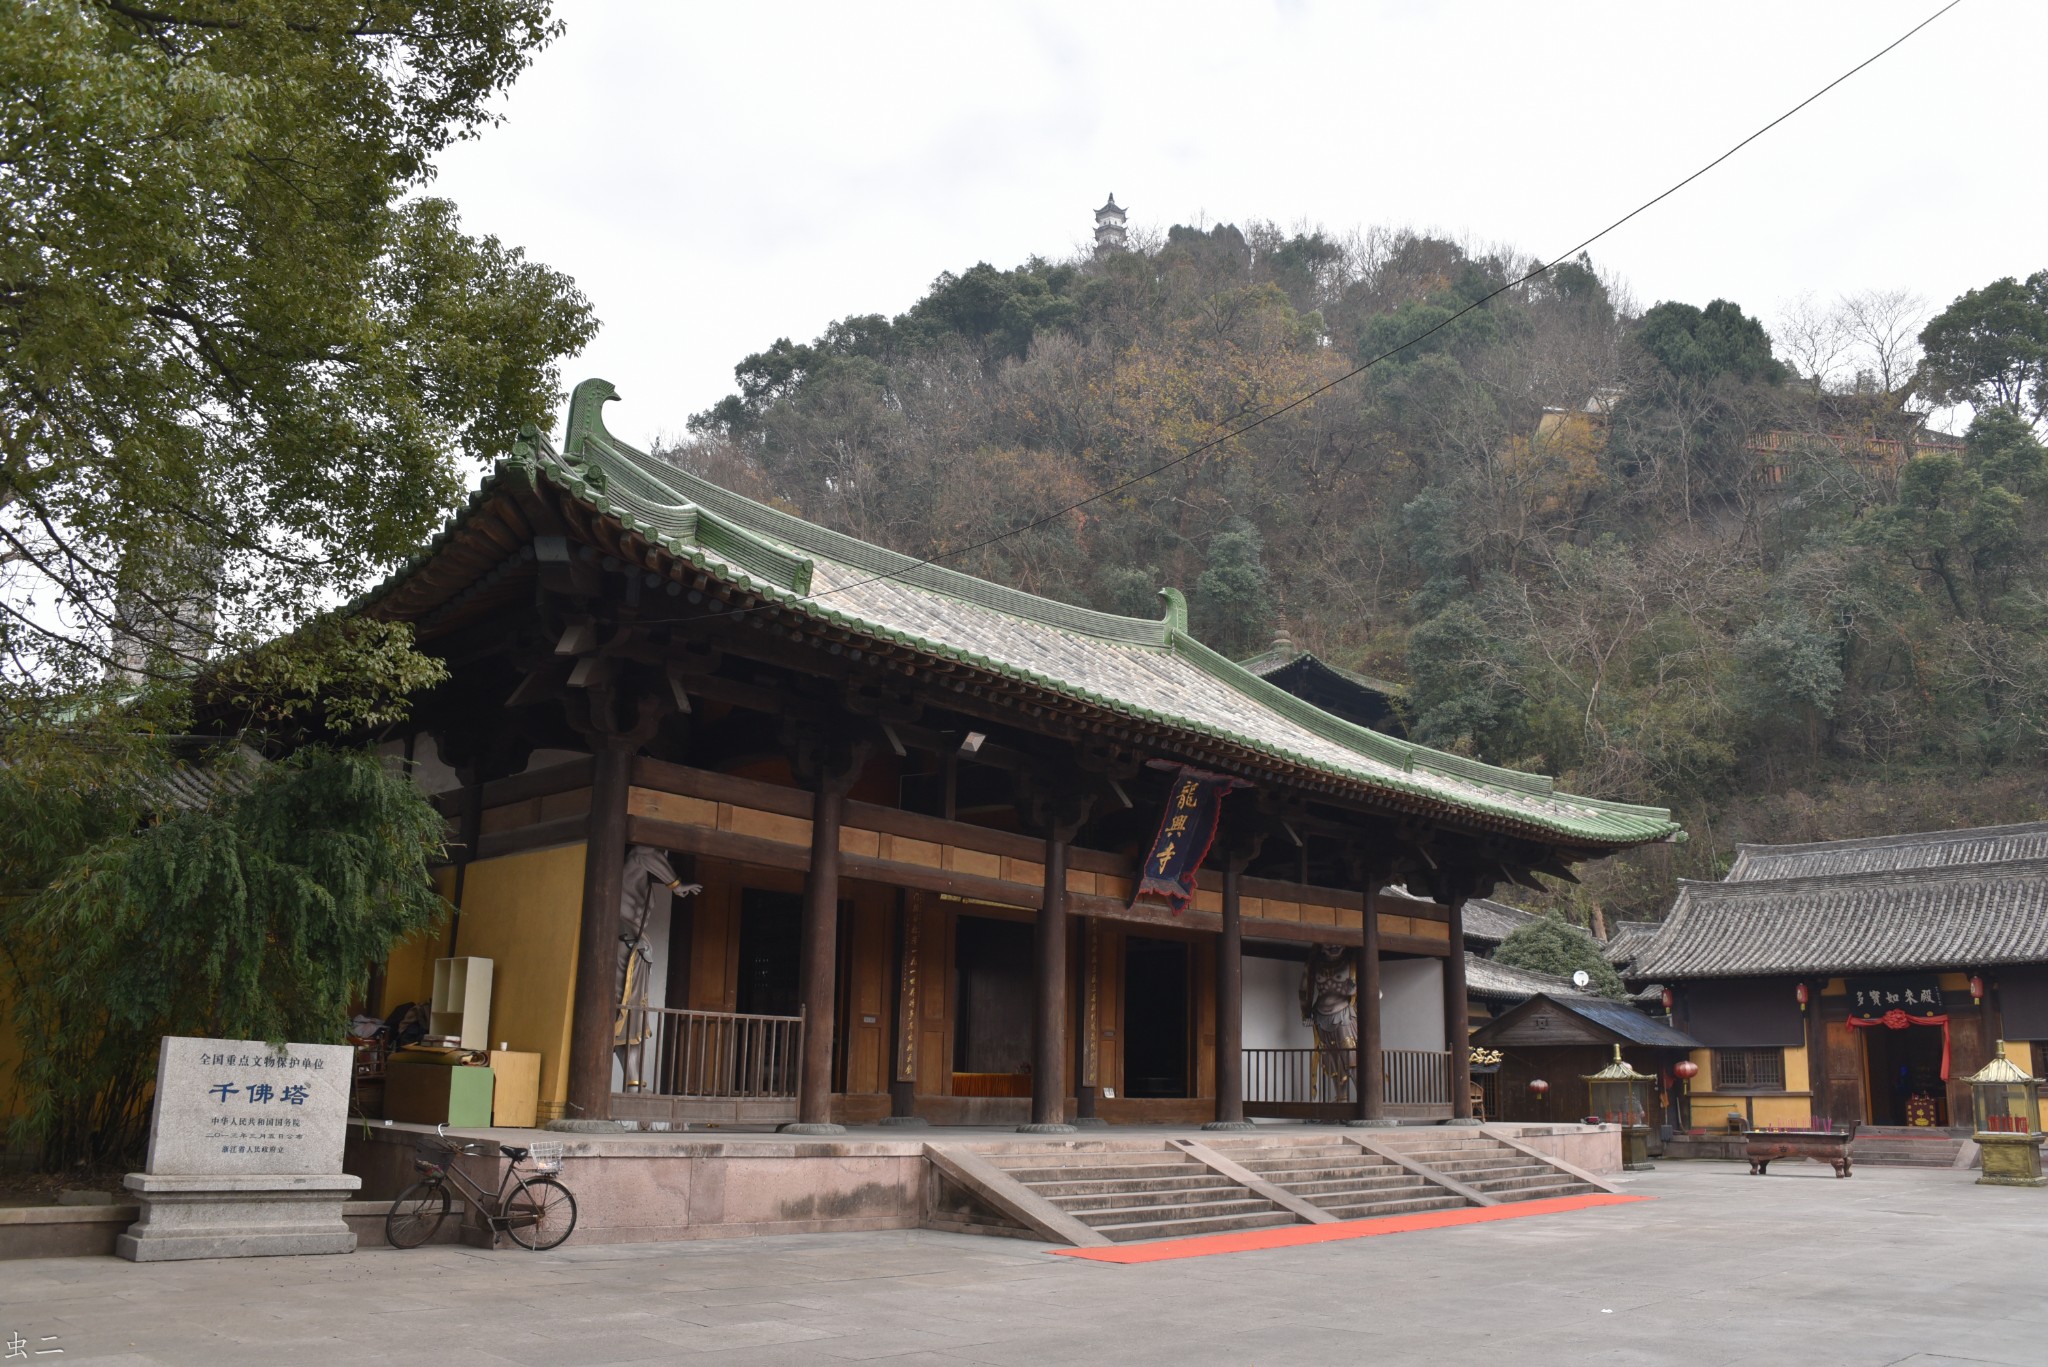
point(1951, 917)
point(1271, 662)
point(1926, 850)
point(1627, 941)
point(1490, 980)
point(1618, 1018)
point(1137, 668)
point(1489, 922)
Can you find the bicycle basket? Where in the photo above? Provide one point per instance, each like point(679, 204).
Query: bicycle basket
point(430, 1156)
point(546, 1155)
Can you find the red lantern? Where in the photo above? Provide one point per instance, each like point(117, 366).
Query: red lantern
point(1538, 1086)
point(1976, 990)
point(1801, 992)
point(1668, 1000)
point(1685, 1069)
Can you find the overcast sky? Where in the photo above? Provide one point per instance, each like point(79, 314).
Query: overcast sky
point(718, 175)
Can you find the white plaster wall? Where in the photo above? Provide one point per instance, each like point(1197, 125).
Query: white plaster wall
point(1272, 1008)
point(1412, 1004)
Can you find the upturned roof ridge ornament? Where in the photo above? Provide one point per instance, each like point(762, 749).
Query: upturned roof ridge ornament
point(1176, 610)
point(586, 417)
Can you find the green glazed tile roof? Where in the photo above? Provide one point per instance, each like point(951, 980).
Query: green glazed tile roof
point(1141, 668)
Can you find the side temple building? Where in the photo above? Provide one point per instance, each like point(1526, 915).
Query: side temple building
point(1855, 981)
point(917, 803)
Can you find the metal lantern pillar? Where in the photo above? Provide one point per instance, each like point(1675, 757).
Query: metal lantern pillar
point(1619, 1095)
point(2008, 1106)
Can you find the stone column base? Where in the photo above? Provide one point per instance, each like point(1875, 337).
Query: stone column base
point(804, 1127)
point(237, 1217)
point(1039, 1128)
point(911, 1121)
point(1229, 1125)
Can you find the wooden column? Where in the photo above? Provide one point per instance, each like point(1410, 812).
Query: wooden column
point(1087, 1082)
point(819, 959)
point(1372, 1061)
point(903, 1045)
point(1458, 1010)
point(1049, 1001)
point(1817, 1047)
point(591, 1024)
point(1230, 1004)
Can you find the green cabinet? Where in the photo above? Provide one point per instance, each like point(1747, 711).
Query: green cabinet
point(433, 1094)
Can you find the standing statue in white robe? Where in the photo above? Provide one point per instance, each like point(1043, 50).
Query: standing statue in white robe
point(648, 882)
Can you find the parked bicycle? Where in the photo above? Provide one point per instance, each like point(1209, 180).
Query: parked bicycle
point(535, 1209)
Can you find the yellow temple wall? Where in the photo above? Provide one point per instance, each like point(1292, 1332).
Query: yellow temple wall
point(1792, 1108)
point(521, 911)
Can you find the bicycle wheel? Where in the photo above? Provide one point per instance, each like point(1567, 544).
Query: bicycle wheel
point(416, 1214)
point(539, 1213)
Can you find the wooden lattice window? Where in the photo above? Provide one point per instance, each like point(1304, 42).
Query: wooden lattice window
point(1749, 1070)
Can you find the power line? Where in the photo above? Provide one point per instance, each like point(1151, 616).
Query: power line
point(1233, 433)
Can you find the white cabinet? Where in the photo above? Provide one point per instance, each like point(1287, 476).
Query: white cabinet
point(462, 1001)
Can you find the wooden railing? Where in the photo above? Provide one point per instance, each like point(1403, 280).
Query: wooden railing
point(710, 1054)
point(1414, 1077)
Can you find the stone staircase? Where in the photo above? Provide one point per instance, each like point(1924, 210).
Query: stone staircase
point(1125, 1195)
point(1340, 1177)
point(1098, 1192)
point(1898, 1146)
point(1486, 1165)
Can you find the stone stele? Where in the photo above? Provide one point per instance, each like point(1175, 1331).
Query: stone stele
point(244, 1152)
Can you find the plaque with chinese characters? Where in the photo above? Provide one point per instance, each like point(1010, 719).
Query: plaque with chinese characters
point(239, 1107)
point(1872, 998)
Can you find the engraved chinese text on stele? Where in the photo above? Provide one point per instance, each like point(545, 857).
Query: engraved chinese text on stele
point(242, 1108)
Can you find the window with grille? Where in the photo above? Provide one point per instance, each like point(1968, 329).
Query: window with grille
point(1749, 1070)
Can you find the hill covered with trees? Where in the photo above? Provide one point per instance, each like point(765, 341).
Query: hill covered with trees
point(1657, 552)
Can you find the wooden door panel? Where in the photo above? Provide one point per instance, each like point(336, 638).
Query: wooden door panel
point(1844, 1100)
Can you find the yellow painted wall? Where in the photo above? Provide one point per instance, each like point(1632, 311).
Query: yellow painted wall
point(521, 912)
point(1710, 1108)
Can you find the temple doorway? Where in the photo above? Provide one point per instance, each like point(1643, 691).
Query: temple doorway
point(771, 953)
point(1906, 1086)
point(1156, 1018)
point(992, 1022)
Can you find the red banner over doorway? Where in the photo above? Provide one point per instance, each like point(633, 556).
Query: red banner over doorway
point(1896, 1019)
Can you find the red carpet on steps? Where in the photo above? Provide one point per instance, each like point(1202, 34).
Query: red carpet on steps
point(1291, 1236)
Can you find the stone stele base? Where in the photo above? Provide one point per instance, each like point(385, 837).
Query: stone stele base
point(237, 1216)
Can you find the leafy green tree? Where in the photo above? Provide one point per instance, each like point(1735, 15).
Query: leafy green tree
point(1705, 344)
point(124, 917)
point(1467, 693)
point(1233, 600)
point(1990, 347)
point(1549, 945)
point(1963, 522)
point(246, 358)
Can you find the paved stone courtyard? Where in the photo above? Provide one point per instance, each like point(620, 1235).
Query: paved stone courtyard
point(1894, 1266)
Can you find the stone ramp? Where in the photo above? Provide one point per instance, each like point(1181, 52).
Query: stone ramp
point(1093, 1192)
